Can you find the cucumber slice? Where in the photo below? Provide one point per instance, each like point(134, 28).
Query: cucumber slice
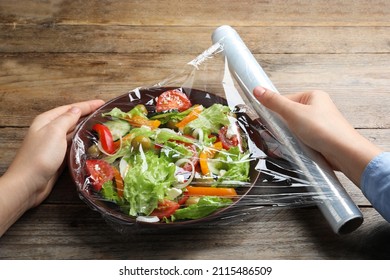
point(118, 128)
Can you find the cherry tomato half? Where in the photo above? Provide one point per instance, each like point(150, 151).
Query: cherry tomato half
point(100, 172)
point(165, 209)
point(227, 143)
point(183, 198)
point(172, 99)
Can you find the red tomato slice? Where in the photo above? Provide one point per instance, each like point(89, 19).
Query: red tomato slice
point(227, 143)
point(105, 137)
point(165, 209)
point(100, 172)
point(172, 99)
point(184, 198)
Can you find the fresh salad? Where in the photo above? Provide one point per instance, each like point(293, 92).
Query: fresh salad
point(180, 161)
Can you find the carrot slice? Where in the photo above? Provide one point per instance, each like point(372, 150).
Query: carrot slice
point(190, 117)
point(207, 154)
point(211, 191)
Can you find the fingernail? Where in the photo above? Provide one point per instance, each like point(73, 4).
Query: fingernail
point(259, 91)
point(75, 110)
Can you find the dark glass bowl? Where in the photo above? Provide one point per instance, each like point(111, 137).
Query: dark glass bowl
point(82, 140)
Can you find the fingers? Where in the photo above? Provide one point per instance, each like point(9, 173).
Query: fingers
point(85, 107)
point(67, 121)
point(274, 101)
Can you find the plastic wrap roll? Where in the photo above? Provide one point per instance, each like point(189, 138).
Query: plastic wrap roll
point(339, 210)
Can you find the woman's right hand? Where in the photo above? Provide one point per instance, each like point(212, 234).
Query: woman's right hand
point(316, 121)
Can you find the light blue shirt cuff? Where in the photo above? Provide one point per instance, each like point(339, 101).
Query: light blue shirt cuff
point(375, 184)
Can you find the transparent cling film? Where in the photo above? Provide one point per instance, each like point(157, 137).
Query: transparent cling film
point(196, 147)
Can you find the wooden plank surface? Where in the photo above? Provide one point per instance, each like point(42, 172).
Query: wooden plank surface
point(75, 232)
point(62, 51)
point(66, 78)
point(198, 13)
point(186, 39)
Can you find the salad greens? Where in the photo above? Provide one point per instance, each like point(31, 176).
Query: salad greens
point(147, 161)
point(150, 178)
point(205, 206)
point(211, 119)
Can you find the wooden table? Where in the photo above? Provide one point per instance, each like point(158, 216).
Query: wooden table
point(58, 52)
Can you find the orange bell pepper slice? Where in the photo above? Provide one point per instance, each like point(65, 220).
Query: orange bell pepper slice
point(139, 121)
point(194, 114)
point(207, 154)
point(211, 191)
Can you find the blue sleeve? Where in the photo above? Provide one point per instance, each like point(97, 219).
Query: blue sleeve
point(375, 184)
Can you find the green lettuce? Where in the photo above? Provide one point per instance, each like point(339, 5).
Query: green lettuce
point(165, 135)
point(147, 181)
point(174, 116)
point(138, 110)
point(173, 151)
point(115, 113)
point(211, 119)
point(235, 163)
point(109, 192)
point(142, 131)
point(205, 206)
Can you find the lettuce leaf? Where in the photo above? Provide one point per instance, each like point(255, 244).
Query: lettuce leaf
point(235, 163)
point(211, 119)
point(138, 110)
point(109, 192)
point(173, 151)
point(147, 181)
point(165, 135)
point(115, 113)
point(205, 206)
point(174, 116)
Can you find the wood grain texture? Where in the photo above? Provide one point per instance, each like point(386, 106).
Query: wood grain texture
point(190, 40)
point(62, 51)
point(199, 13)
point(356, 82)
point(75, 232)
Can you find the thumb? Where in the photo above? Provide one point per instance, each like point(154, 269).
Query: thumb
point(273, 101)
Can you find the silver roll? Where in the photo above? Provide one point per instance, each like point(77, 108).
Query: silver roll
point(338, 208)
